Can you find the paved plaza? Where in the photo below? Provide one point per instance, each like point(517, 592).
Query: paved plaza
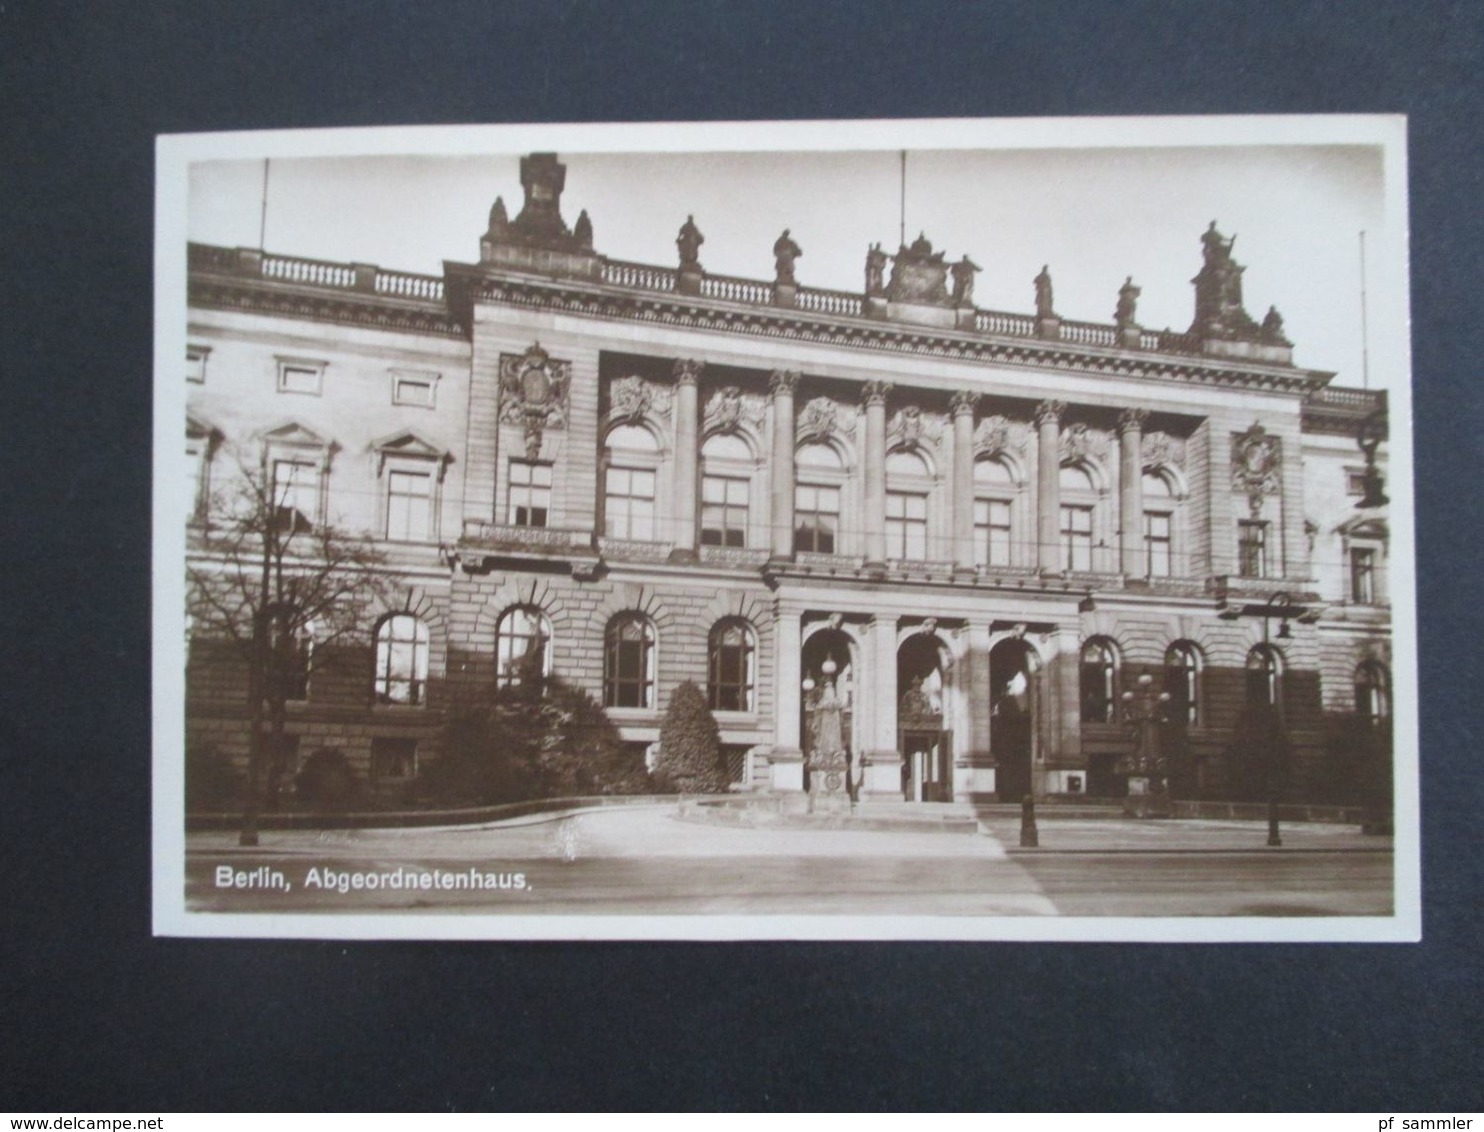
point(651, 860)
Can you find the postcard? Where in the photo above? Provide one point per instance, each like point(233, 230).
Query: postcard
point(832, 530)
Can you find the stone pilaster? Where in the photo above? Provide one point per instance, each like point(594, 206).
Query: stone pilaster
point(683, 532)
point(963, 406)
point(883, 777)
point(874, 520)
point(782, 385)
point(1048, 486)
point(1131, 491)
point(788, 754)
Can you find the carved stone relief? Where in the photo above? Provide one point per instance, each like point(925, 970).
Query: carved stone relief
point(533, 394)
point(1257, 465)
point(1082, 442)
point(823, 418)
point(631, 399)
point(1160, 449)
point(910, 426)
point(729, 408)
point(997, 435)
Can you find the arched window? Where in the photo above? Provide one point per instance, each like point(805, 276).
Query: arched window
point(522, 647)
point(401, 660)
point(1373, 692)
point(820, 477)
point(629, 480)
point(1264, 677)
point(1159, 527)
point(628, 662)
point(1099, 681)
point(726, 482)
point(908, 482)
point(1183, 683)
point(1078, 497)
point(730, 677)
point(994, 491)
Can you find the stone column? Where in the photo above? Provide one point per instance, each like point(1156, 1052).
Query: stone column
point(683, 527)
point(782, 384)
point(1131, 491)
point(788, 754)
point(1048, 486)
point(1061, 749)
point(963, 406)
point(883, 778)
point(874, 520)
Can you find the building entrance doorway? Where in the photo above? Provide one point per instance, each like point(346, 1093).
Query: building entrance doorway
point(923, 736)
point(1013, 670)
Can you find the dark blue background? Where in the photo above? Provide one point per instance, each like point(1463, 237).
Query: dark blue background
point(99, 1015)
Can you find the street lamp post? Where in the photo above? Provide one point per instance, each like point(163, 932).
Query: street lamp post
point(1145, 709)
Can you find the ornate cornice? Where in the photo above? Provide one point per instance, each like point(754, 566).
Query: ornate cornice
point(859, 333)
point(279, 300)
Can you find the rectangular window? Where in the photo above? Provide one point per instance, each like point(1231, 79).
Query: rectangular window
point(723, 511)
point(300, 377)
point(418, 389)
point(409, 511)
point(1252, 548)
point(906, 526)
point(530, 493)
point(1076, 538)
point(628, 510)
point(991, 532)
point(196, 364)
point(1363, 575)
point(1156, 544)
point(296, 494)
point(816, 518)
point(1354, 481)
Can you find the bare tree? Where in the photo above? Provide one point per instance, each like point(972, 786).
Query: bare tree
point(283, 591)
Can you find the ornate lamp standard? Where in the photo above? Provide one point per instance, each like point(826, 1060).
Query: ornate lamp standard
point(1272, 735)
point(829, 764)
point(1145, 710)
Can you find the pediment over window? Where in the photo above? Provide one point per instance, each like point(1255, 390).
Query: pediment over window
point(1364, 526)
point(298, 435)
point(408, 444)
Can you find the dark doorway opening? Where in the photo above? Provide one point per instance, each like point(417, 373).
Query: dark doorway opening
point(1013, 666)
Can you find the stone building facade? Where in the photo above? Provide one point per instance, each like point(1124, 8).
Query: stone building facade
point(971, 531)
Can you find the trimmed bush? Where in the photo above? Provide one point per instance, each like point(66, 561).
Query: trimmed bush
point(326, 780)
point(690, 745)
point(538, 739)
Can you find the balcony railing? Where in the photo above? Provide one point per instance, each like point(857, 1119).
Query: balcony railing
point(297, 270)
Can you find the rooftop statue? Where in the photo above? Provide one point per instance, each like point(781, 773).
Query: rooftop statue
point(1272, 329)
point(689, 242)
point(1044, 307)
point(963, 281)
point(582, 231)
point(785, 251)
point(1128, 303)
point(499, 218)
point(918, 274)
point(1219, 313)
point(876, 270)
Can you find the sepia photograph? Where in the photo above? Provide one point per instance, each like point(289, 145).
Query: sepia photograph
point(835, 530)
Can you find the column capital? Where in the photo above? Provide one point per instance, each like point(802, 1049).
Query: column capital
point(964, 403)
point(1132, 420)
point(688, 370)
point(783, 381)
point(876, 392)
point(1048, 412)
